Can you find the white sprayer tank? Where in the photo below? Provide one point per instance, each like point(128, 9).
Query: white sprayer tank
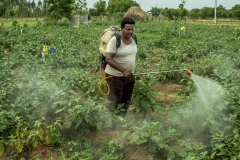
point(105, 38)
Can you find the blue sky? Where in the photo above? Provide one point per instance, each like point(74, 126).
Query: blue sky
point(146, 5)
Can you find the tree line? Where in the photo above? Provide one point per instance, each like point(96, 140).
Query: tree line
point(115, 7)
point(57, 9)
point(22, 8)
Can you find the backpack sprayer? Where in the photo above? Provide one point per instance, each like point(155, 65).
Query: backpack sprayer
point(189, 73)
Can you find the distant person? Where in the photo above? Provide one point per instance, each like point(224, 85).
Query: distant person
point(120, 65)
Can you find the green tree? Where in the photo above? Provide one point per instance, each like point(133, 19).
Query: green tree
point(45, 8)
point(194, 13)
point(12, 13)
point(120, 6)
point(221, 12)
point(93, 12)
point(57, 9)
point(236, 11)
point(2, 8)
point(183, 1)
point(32, 8)
point(80, 7)
point(200, 14)
point(170, 13)
point(156, 11)
point(206, 12)
point(182, 12)
point(175, 13)
point(181, 5)
point(100, 7)
point(39, 9)
point(21, 8)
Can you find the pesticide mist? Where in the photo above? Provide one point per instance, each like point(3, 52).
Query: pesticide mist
point(39, 94)
point(205, 111)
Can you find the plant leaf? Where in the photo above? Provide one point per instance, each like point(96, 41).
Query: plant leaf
point(99, 125)
point(133, 139)
point(234, 158)
point(59, 110)
point(1, 149)
point(152, 149)
point(124, 133)
point(182, 153)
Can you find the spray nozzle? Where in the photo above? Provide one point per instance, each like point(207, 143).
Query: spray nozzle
point(189, 72)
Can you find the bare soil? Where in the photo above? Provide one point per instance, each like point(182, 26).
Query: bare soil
point(167, 92)
point(43, 152)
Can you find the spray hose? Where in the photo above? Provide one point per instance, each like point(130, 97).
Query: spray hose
point(104, 80)
point(108, 87)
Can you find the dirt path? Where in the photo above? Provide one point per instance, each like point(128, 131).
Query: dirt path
point(167, 92)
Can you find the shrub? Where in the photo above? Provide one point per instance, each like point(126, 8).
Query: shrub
point(25, 25)
point(15, 23)
point(64, 22)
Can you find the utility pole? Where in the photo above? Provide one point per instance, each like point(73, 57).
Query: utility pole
point(215, 12)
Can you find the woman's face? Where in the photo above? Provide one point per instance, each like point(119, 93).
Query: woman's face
point(127, 31)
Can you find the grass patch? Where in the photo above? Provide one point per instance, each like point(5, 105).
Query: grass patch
point(21, 21)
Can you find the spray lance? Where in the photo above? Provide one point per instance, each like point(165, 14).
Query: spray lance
point(189, 73)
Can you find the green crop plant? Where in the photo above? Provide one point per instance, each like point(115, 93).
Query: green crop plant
point(113, 150)
point(237, 32)
point(143, 99)
point(226, 146)
point(164, 141)
point(87, 112)
point(15, 24)
point(85, 152)
point(24, 135)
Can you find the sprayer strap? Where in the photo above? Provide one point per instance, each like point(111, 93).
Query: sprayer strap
point(118, 40)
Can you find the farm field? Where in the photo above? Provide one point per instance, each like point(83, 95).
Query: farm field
point(34, 21)
point(51, 107)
